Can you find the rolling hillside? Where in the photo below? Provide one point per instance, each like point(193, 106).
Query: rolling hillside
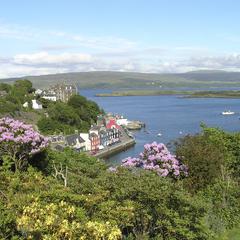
point(132, 79)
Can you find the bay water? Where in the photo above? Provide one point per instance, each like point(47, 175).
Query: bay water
point(167, 117)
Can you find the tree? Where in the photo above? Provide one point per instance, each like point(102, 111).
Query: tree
point(146, 206)
point(8, 107)
point(24, 85)
point(5, 87)
point(86, 109)
point(63, 113)
point(18, 141)
point(157, 158)
point(77, 101)
point(206, 156)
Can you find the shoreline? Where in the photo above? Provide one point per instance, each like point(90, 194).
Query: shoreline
point(186, 94)
point(112, 150)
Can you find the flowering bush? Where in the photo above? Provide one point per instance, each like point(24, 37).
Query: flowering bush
point(18, 141)
point(53, 221)
point(156, 157)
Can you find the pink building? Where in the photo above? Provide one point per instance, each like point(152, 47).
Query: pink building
point(95, 141)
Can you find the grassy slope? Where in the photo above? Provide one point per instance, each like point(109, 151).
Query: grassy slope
point(191, 94)
point(109, 79)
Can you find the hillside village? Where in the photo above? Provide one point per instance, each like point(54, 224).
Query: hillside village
point(106, 132)
point(109, 131)
point(60, 114)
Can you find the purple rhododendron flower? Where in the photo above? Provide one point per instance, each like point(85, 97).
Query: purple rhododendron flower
point(19, 140)
point(156, 157)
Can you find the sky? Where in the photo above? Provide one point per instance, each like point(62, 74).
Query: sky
point(155, 36)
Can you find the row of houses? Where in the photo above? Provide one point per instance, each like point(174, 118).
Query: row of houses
point(98, 138)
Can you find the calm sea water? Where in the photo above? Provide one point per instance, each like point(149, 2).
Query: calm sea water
point(172, 116)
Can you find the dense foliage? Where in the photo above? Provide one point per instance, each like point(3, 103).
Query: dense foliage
point(15, 95)
point(67, 195)
point(213, 161)
point(79, 113)
point(56, 117)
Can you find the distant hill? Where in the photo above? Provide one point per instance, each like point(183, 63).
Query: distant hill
point(108, 79)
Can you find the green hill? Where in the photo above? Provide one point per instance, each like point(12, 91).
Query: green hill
point(108, 79)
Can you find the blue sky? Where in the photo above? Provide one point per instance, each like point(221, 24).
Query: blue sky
point(44, 37)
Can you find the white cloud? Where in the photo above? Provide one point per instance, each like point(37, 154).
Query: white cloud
point(44, 58)
point(45, 63)
point(11, 70)
point(220, 62)
point(68, 52)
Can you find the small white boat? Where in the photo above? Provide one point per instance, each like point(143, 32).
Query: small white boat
point(159, 134)
point(180, 132)
point(228, 113)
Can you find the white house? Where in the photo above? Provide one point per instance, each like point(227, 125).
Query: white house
point(36, 104)
point(50, 97)
point(85, 137)
point(122, 122)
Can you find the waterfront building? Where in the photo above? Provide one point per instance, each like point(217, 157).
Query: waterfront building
point(95, 141)
point(116, 134)
point(112, 124)
point(76, 142)
point(85, 137)
point(122, 122)
point(113, 135)
point(94, 129)
point(104, 141)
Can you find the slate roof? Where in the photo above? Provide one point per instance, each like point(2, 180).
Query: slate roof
point(72, 139)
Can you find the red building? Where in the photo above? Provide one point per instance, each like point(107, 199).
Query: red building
point(95, 141)
point(112, 124)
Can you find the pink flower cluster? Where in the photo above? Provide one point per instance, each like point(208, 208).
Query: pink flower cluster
point(156, 157)
point(21, 135)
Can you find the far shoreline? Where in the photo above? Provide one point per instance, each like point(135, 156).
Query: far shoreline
point(188, 94)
